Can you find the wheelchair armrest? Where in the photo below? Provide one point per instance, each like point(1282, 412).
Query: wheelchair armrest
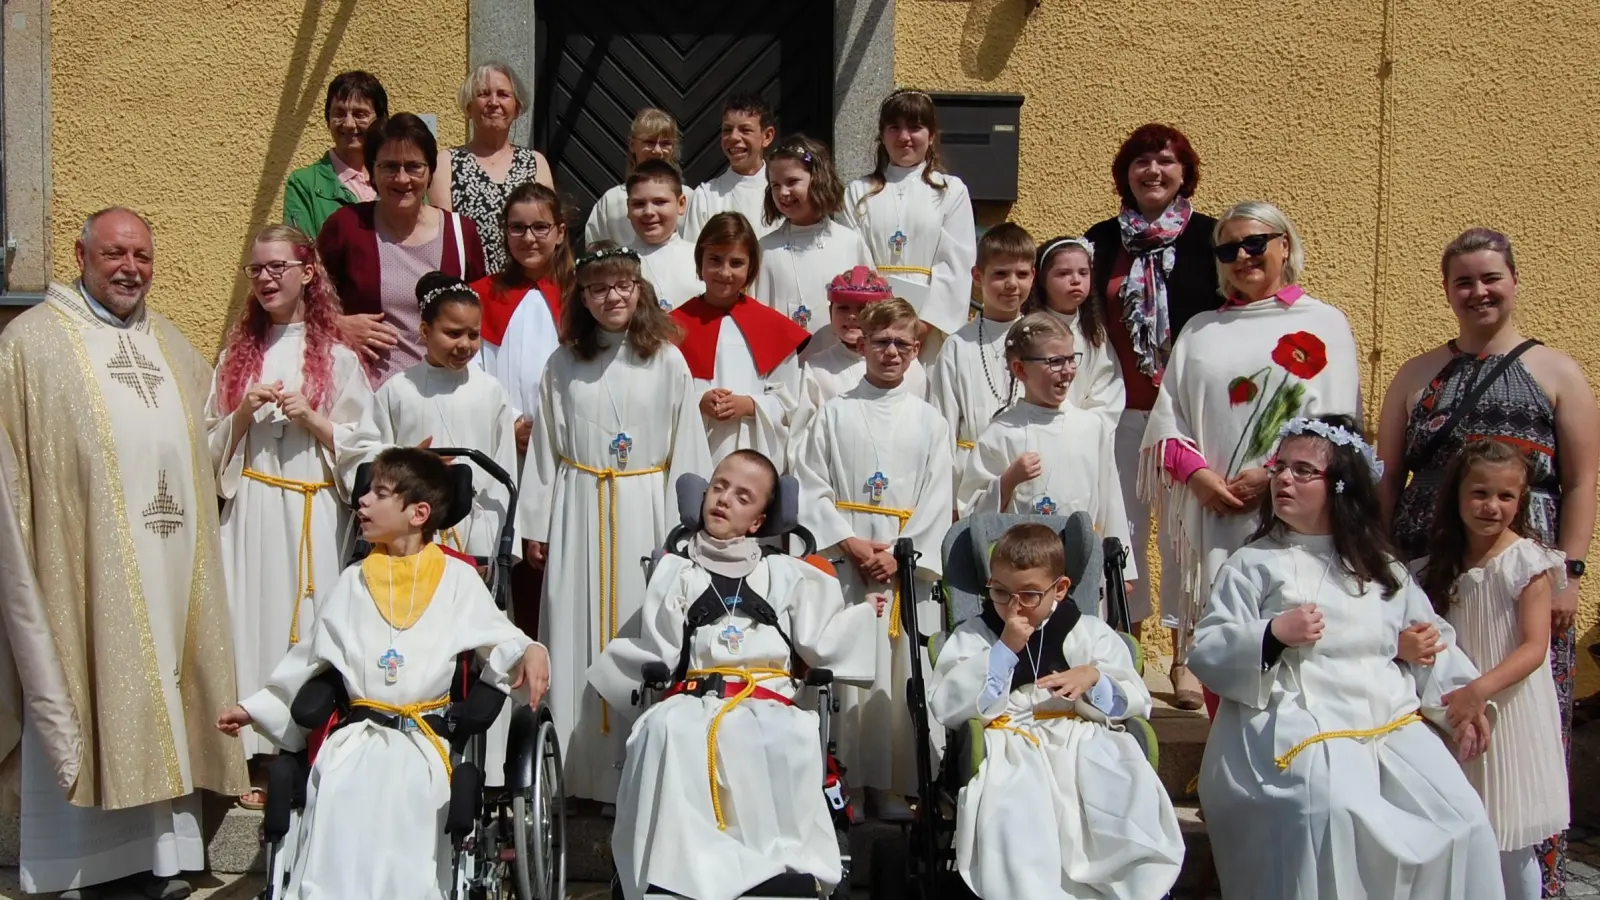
point(656, 674)
point(819, 677)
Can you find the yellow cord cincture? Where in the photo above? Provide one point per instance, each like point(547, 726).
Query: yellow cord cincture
point(904, 516)
point(415, 712)
point(1003, 723)
point(1359, 734)
point(905, 270)
point(751, 678)
point(305, 574)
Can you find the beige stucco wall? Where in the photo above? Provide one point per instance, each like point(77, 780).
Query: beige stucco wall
point(195, 112)
point(1481, 119)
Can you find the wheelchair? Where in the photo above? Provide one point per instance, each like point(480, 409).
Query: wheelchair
point(921, 863)
point(508, 842)
point(781, 532)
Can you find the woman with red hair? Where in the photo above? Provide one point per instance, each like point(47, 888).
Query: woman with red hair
point(288, 420)
point(1153, 271)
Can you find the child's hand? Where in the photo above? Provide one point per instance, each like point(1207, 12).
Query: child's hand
point(534, 672)
point(1017, 631)
point(1466, 705)
point(1472, 738)
point(1420, 643)
point(860, 552)
point(1298, 627)
point(234, 719)
point(259, 395)
point(535, 552)
point(711, 401)
point(1071, 684)
point(878, 601)
point(524, 430)
point(881, 567)
point(1025, 468)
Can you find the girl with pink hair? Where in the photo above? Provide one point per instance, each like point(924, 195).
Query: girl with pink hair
point(288, 418)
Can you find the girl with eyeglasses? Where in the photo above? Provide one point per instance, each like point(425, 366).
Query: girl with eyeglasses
point(1331, 768)
point(654, 135)
point(288, 420)
point(617, 423)
point(1042, 455)
point(1236, 375)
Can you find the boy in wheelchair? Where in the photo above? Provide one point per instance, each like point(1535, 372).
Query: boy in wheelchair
point(380, 784)
point(722, 787)
point(1065, 803)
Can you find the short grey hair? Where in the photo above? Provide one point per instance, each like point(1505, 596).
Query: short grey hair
point(1272, 217)
point(480, 77)
point(88, 224)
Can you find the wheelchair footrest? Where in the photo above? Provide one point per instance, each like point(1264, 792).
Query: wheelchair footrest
point(787, 886)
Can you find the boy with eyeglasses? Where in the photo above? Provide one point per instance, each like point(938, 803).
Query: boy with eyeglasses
point(655, 204)
point(1064, 803)
point(970, 384)
point(874, 466)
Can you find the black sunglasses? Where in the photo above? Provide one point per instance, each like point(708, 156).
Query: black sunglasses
point(1254, 245)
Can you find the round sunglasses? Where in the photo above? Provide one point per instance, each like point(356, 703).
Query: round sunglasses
point(1254, 245)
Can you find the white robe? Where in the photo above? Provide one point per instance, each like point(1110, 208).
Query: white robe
point(1098, 385)
point(669, 267)
point(466, 409)
point(608, 221)
point(373, 825)
point(262, 526)
point(1382, 818)
point(728, 192)
point(518, 363)
point(797, 264)
point(1081, 814)
point(859, 435)
point(835, 370)
point(971, 384)
point(769, 756)
point(940, 238)
point(775, 394)
point(1198, 406)
point(598, 527)
point(1076, 449)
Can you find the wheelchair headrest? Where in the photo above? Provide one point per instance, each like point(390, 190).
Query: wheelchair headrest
point(783, 512)
point(970, 541)
point(461, 492)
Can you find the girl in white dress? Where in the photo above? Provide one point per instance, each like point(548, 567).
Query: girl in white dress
point(916, 218)
point(654, 135)
point(1321, 777)
point(444, 401)
point(802, 255)
point(1494, 586)
point(287, 423)
point(1063, 283)
point(617, 424)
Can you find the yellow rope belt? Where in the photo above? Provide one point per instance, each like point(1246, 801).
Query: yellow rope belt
point(415, 712)
point(751, 678)
point(305, 575)
point(967, 445)
point(905, 270)
point(605, 481)
point(1003, 723)
point(1360, 734)
point(904, 515)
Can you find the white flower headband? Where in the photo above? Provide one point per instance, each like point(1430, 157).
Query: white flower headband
point(1062, 244)
point(1335, 434)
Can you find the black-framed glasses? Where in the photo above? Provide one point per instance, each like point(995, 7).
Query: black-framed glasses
point(1254, 245)
point(1301, 472)
point(277, 268)
point(600, 290)
point(393, 169)
point(1004, 596)
point(540, 230)
point(1057, 363)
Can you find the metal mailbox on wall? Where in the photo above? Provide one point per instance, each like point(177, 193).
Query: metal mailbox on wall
point(978, 141)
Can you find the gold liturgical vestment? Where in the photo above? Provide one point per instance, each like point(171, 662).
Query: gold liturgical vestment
point(123, 651)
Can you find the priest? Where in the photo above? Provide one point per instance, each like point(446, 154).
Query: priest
point(120, 654)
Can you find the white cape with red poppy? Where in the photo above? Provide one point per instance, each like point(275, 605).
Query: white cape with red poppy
point(1236, 376)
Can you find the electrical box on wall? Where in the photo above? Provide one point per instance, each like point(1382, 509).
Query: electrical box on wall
point(978, 142)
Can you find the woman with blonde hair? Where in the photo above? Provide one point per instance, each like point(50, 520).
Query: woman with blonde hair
point(654, 136)
point(1236, 375)
point(476, 178)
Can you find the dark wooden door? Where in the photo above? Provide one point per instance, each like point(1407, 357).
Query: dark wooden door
point(601, 61)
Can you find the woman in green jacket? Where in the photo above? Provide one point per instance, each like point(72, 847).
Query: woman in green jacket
point(355, 102)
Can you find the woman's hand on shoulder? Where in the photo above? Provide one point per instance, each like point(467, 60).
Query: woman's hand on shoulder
point(1213, 493)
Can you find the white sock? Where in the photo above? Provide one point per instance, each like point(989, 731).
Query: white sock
point(1519, 870)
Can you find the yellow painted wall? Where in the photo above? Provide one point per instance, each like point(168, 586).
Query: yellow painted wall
point(194, 113)
point(1483, 118)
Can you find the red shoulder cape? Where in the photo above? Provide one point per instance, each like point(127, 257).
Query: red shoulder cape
point(772, 338)
point(499, 302)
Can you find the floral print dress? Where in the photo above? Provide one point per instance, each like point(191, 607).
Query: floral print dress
point(480, 198)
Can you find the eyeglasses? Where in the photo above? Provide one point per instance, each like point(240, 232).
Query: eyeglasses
point(393, 169)
point(275, 269)
point(1003, 596)
point(1301, 472)
point(540, 230)
point(360, 119)
point(600, 290)
point(884, 345)
point(1057, 363)
point(1254, 245)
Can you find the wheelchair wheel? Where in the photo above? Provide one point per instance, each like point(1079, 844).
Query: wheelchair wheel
point(539, 824)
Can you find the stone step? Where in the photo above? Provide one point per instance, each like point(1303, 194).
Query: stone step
point(1181, 733)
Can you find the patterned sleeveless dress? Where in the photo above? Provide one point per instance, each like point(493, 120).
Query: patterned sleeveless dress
point(1513, 409)
point(475, 195)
